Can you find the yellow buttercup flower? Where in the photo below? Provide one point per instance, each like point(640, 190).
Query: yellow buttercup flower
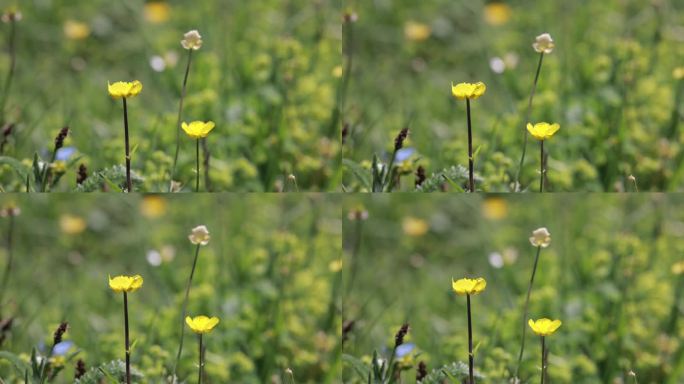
point(414, 31)
point(678, 73)
point(201, 324)
point(124, 89)
point(467, 90)
point(497, 13)
point(467, 286)
point(76, 30)
point(198, 129)
point(542, 131)
point(544, 327)
point(157, 12)
point(125, 283)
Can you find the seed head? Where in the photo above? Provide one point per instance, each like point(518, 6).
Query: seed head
point(399, 337)
point(399, 140)
point(59, 333)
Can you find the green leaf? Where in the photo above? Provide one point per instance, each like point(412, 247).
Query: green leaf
point(18, 363)
point(361, 174)
point(358, 365)
point(21, 169)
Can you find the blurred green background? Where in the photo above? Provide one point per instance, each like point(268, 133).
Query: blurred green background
point(270, 272)
point(610, 274)
point(265, 74)
point(609, 83)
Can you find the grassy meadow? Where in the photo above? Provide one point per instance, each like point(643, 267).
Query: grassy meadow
point(266, 74)
point(612, 273)
point(271, 273)
point(614, 82)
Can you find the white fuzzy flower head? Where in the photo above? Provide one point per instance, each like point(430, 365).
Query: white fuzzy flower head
point(199, 235)
point(192, 40)
point(543, 43)
point(541, 237)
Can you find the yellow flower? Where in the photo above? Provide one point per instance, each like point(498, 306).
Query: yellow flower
point(153, 206)
point(540, 237)
point(414, 227)
point(72, 225)
point(335, 265)
point(198, 129)
point(678, 73)
point(467, 286)
point(124, 89)
point(544, 327)
point(125, 283)
point(76, 30)
point(542, 131)
point(543, 43)
point(467, 90)
point(201, 324)
point(414, 31)
point(157, 12)
point(678, 268)
point(495, 208)
point(497, 13)
point(199, 235)
point(337, 71)
point(192, 40)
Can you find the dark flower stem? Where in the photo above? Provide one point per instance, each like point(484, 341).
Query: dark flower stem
point(201, 360)
point(471, 180)
point(543, 349)
point(543, 168)
point(180, 114)
point(128, 350)
point(185, 307)
point(525, 309)
point(13, 64)
point(8, 268)
point(129, 185)
point(206, 158)
point(527, 120)
point(470, 345)
point(198, 166)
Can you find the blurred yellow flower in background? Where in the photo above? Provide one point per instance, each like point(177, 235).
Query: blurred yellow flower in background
point(337, 71)
point(198, 129)
point(126, 284)
point(471, 91)
point(121, 89)
point(542, 131)
point(544, 327)
point(72, 225)
point(201, 324)
point(153, 206)
point(494, 208)
point(414, 227)
point(497, 13)
point(467, 286)
point(415, 31)
point(678, 73)
point(335, 265)
point(76, 30)
point(157, 12)
point(678, 268)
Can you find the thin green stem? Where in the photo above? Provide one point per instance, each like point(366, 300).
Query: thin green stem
point(46, 171)
point(8, 267)
point(527, 120)
point(198, 166)
point(129, 185)
point(471, 359)
point(543, 350)
point(471, 178)
point(542, 166)
point(184, 310)
point(201, 360)
point(525, 308)
point(10, 73)
point(180, 115)
point(128, 350)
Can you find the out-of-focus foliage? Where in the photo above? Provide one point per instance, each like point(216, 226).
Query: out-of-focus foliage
point(613, 274)
point(265, 74)
point(610, 83)
point(271, 272)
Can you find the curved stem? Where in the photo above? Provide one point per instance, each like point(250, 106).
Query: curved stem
point(129, 185)
point(128, 351)
point(527, 120)
point(471, 361)
point(180, 114)
point(525, 308)
point(471, 179)
point(185, 307)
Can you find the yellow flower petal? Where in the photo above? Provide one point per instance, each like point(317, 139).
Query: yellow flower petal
point(542, 131)
point(471, 91)
point(198, 129)
point(124, 89)
point(201, 324)
point(467, 286)
point(125, 283)
point(544, 326)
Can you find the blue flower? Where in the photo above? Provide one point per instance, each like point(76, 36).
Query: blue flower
point(62, 348)
point(404, 349)
point(403, 154)
point(63, 154)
